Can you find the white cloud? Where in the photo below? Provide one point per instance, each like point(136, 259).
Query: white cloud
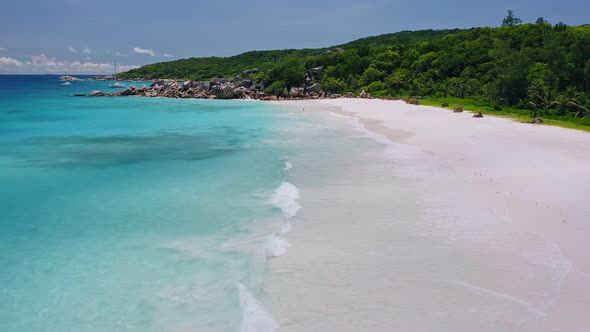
point(86, 51)
point(2, 49)
point(7, 61)
point(166, 55)
point(42, 64)
point(73, 50)
point(147, 51)
point(120, 54)
point(88, 58)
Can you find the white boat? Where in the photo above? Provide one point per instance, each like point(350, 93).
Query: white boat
point(116, 85)
point(66, 83)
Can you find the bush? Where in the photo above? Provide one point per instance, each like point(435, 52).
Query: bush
point(333, 85)
point(276, 88)
point(445, 104)
point(411, 101)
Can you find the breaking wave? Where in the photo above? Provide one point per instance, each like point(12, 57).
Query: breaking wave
point(254, 317)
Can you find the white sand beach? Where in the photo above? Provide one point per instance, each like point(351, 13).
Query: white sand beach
point(444, 222)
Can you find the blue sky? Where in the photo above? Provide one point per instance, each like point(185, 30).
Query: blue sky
point(82, 36)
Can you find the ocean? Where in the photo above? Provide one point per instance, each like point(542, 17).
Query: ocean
point(138, 214)
point(178, 215)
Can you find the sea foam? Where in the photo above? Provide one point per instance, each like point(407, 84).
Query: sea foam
point(288, 166)
point(276, 245)
point(285, 198)
point(254, 317)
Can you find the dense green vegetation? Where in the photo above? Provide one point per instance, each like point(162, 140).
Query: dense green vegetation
point(399, 38)
point(206, 68)
point(541, 68)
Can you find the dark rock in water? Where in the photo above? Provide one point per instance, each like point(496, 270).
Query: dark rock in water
point(79, 95)
point(478, 115)
point(68, 78)
point(157, 83)
point(129, 91)
point(225, 91)
point(240, 92)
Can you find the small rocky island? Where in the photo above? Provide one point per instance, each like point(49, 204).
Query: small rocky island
point(68, 78)
point(241, 87)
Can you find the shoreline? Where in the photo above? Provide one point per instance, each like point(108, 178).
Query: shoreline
point(469, 213)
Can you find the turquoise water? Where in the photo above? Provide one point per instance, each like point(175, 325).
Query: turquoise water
point(132, 214)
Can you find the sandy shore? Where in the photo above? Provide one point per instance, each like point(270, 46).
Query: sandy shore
point(435, 221)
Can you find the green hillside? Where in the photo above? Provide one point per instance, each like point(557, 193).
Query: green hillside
point(540, 68)
point(401, 38)
point(206, 68)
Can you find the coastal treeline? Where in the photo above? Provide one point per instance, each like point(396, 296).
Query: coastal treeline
point(540, 67)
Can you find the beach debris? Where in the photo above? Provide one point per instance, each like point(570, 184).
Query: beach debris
point(537, 120)
point(477, 115)
point(458, 109)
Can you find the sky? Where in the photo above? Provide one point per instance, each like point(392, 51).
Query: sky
point(87, 37)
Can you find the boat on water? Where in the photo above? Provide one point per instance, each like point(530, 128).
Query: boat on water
point(116, 85)
point(66, 83)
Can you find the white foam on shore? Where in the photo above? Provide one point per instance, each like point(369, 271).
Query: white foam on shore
point(285, 198)
point(288, 166)
point(254, 317)
point(285, 228)
point(276, 245)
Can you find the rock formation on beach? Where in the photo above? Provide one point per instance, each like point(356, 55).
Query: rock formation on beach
point(241, 87)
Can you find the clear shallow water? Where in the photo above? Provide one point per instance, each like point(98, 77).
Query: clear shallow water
point(134, 214)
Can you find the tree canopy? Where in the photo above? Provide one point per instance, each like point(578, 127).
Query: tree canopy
point(539, 67)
